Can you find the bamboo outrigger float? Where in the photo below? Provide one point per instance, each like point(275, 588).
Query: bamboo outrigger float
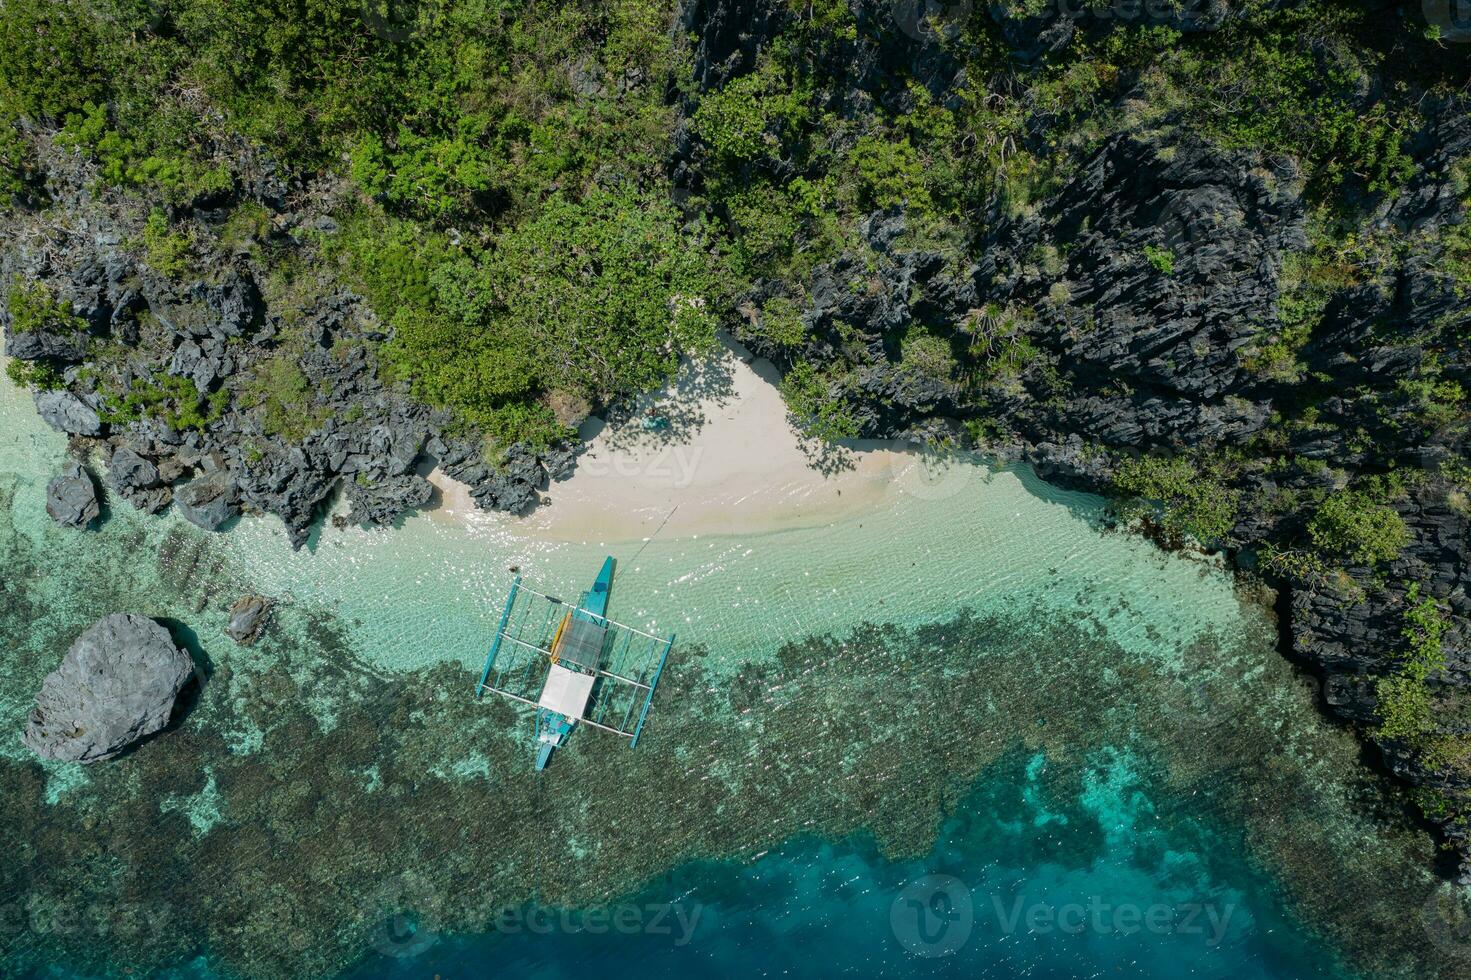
point(598, 672)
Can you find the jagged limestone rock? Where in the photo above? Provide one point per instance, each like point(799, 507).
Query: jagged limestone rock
point(71, 498)
point(65, 412)
point(117, 684)
point(210, 501)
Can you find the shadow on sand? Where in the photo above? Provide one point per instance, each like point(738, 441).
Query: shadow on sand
point(675, 413)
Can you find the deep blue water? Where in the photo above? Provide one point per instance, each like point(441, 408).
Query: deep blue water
point(1100, 885)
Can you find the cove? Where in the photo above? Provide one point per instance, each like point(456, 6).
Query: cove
point(970, 678)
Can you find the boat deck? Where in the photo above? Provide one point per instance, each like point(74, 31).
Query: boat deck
point(541, 636)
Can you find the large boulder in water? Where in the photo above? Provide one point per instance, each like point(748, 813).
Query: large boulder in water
point(116, 685)
point(67, 413)
point(71, 498)
point(209, 501)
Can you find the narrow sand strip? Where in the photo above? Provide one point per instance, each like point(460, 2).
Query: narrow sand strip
point(728, 463)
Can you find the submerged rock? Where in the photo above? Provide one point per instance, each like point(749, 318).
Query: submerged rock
point(71, 498)
point(248, 618)
point(116, 685)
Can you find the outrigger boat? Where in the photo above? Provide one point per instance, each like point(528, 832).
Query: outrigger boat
point(598, 672)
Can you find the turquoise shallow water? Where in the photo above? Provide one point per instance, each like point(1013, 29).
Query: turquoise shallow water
point(976, 538)
point(1055, 718)
point(962, 537)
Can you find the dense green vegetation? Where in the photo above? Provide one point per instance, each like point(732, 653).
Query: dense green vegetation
point(35, 309)
point(1192, 502)
point(1405, 702)
point(1162, 259)
point(1353, 525)
point(33, 374)
point(817, 405)
point(280, 387)
point(792, 165)
point(166, 250)
point(1261, 84)
point(482, 137)
point(584, 300)
point(510, 214)
point(174, 400)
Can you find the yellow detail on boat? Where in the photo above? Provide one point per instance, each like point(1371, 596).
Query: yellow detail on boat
point(557, 637)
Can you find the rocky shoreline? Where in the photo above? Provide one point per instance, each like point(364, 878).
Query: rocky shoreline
point(131, 336)
point(1148, 304)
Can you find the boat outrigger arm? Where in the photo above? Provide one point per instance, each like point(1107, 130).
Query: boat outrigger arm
point(598, 672)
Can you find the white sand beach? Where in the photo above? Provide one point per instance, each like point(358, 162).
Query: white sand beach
point(729, 463)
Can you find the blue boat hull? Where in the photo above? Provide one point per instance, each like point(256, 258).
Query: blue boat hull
point(553, 728)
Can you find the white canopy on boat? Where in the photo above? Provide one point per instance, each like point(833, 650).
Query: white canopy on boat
point(566, 691)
